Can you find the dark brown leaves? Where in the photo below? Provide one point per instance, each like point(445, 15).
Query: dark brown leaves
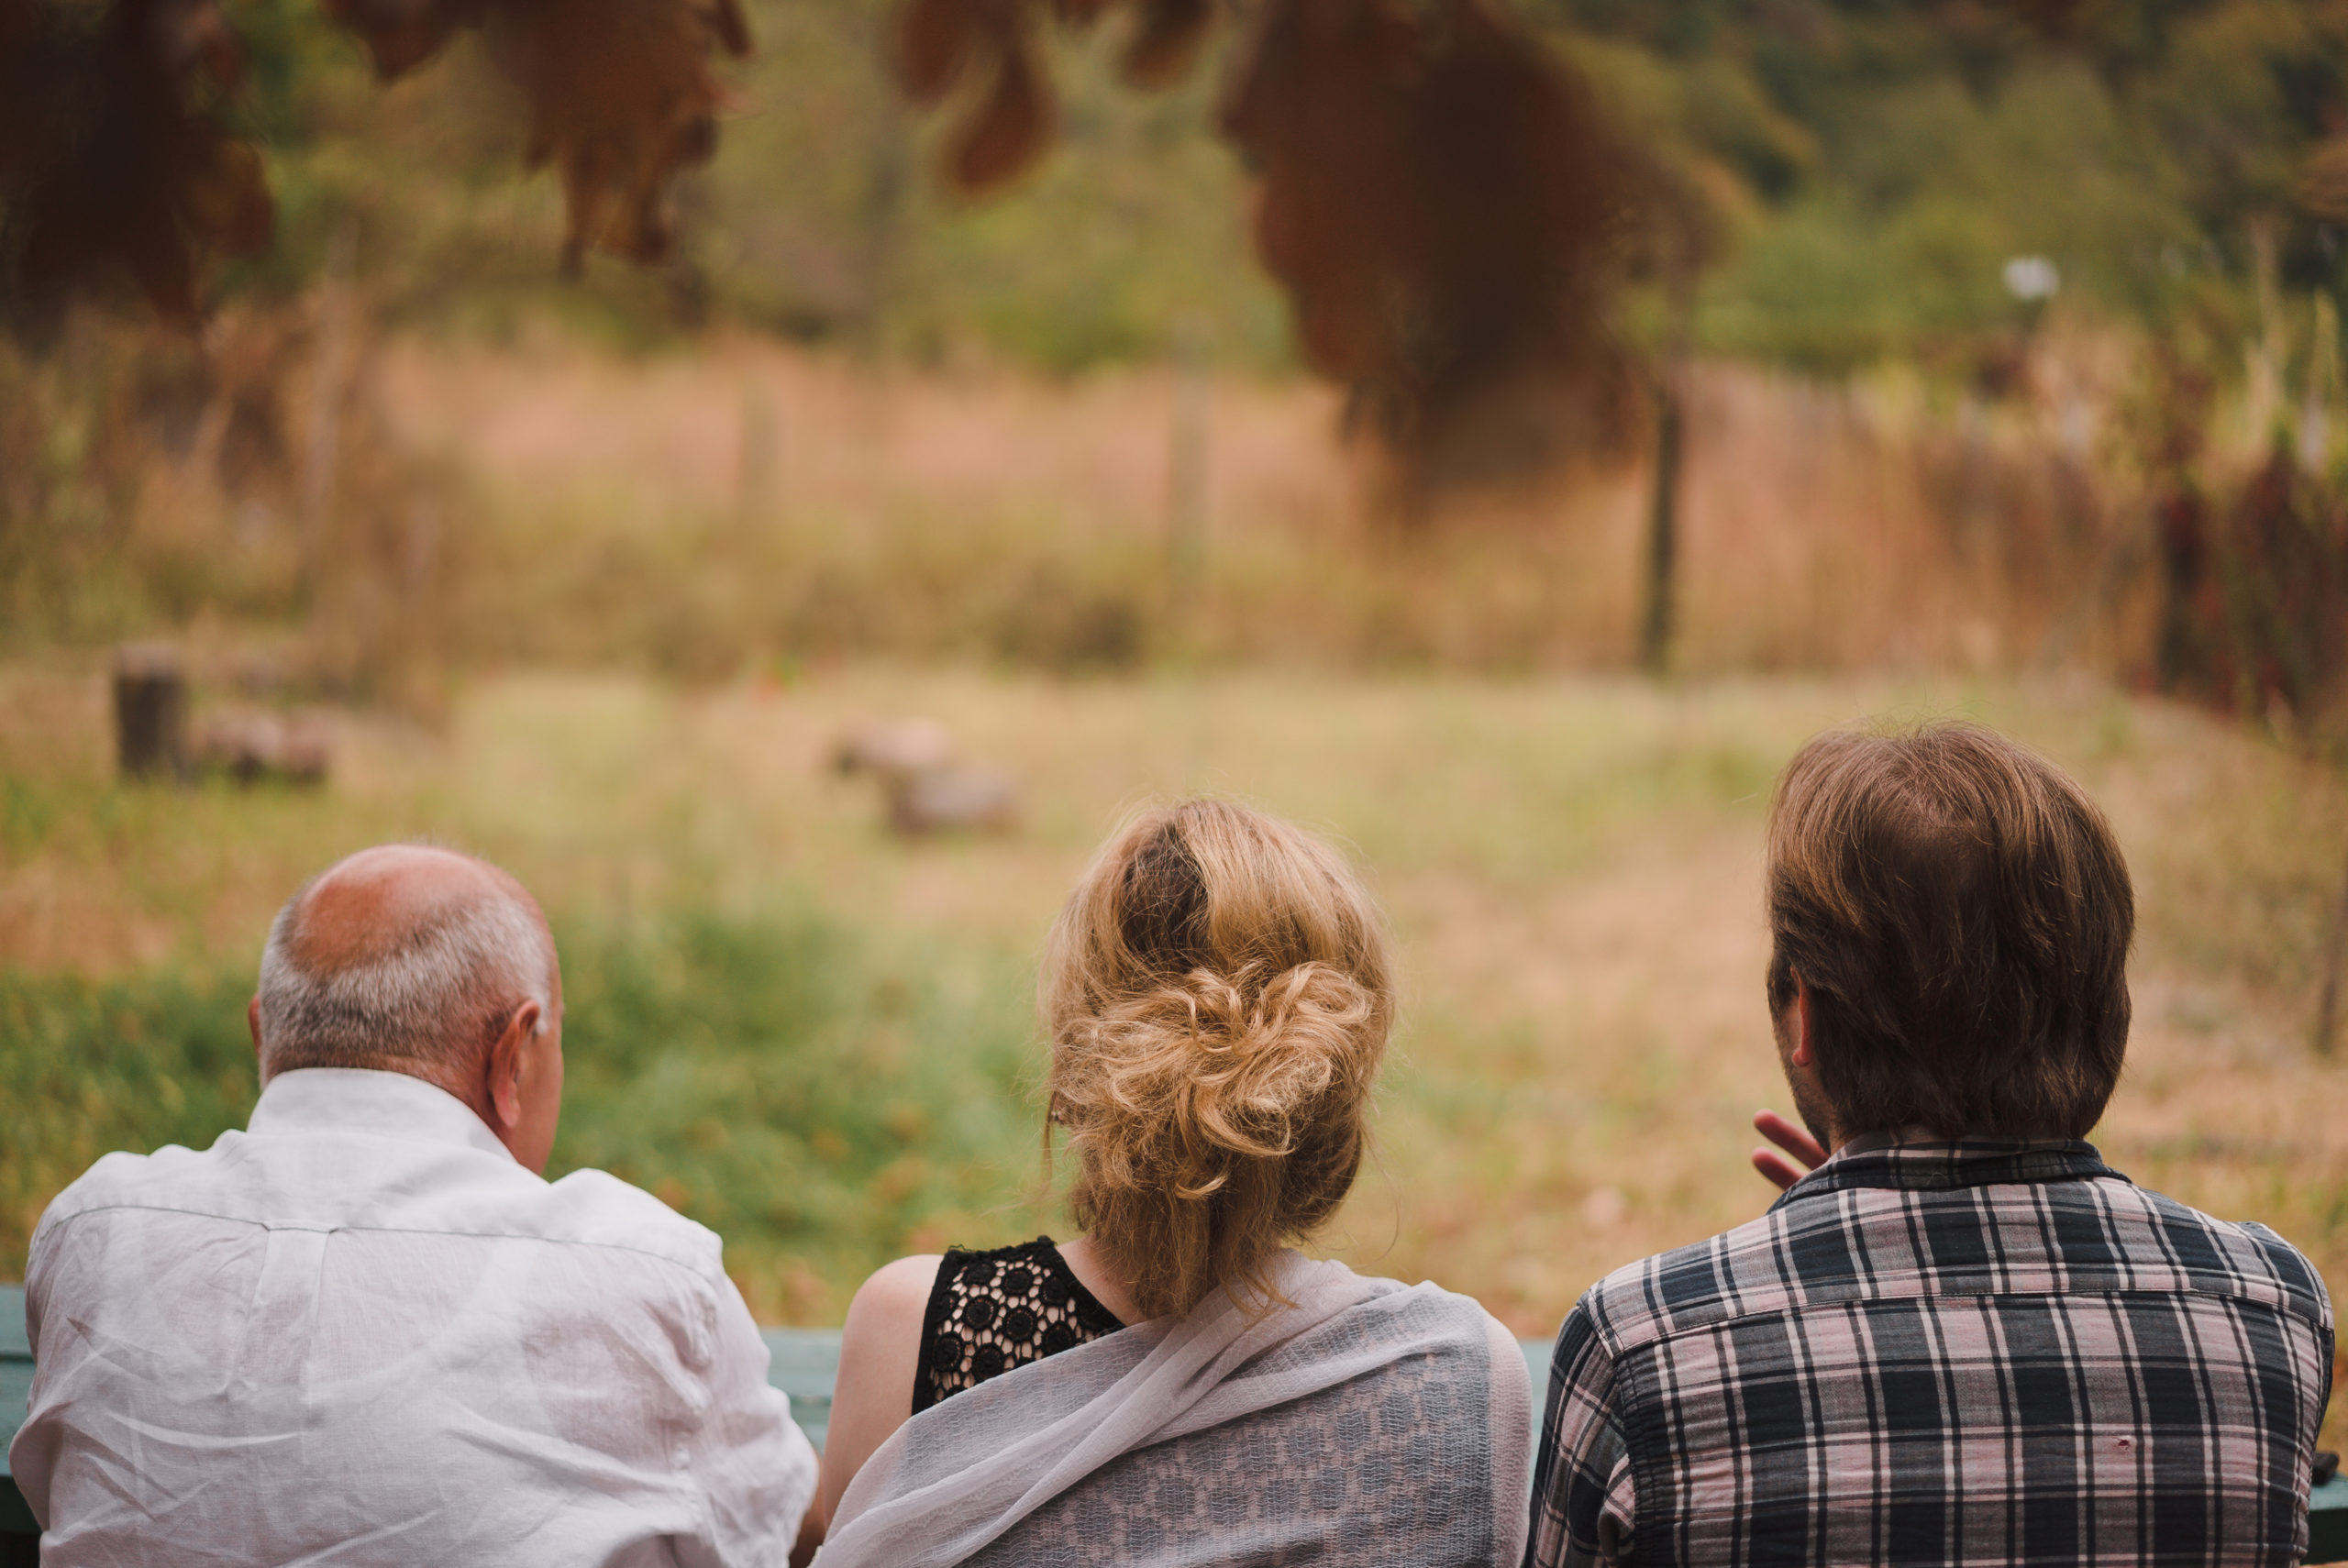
point(403, 34)
point(1011, 127)
point(941, 44)
point(1168, 35)
point(990, 49)
point(114, 156)
point(621, 94)
point(935, 39)
point(2323, 180)
point(990, 46)
point(1446, 203)
point(1448, 210)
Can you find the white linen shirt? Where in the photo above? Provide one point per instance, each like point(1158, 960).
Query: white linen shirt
point(358, 1332)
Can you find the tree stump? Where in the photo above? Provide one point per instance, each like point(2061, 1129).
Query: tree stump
point(149, 711)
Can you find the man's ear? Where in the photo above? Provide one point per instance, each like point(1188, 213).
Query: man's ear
point(504, 1065)
point(1801, 1055)
point(253, 1022)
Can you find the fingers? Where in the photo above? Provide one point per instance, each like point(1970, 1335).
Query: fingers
point(1794, 1140)
point(1776, 1167)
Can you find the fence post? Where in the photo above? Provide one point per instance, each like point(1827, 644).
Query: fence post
point(758, 460)
point(1186, 476)
point(329, 372)
point(2335, 955)
point(1662, 529)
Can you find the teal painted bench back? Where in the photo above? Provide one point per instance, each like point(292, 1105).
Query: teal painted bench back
point(802, 1362)
point(16, 1390)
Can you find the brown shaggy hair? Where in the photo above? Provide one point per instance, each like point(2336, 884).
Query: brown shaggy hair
point(1217, 994)
point(1960, 915)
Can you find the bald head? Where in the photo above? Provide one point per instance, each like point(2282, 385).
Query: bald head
point(403, 957)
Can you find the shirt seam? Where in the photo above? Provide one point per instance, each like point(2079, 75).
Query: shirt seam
point(696, 1269)
point(1619, 1341)
point(1827, 1180)
point(1635, 1386)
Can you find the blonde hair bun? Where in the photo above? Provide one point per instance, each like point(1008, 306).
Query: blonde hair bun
point(1218, 999)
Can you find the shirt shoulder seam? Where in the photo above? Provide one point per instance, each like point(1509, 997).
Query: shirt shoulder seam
point(54, 1224)
point(1646, 1333)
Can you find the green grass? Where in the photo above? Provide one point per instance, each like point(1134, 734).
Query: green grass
point(86, 1067)
point(823, 1104)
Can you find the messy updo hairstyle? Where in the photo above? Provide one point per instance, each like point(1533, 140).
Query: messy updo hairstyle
point(1218, 997)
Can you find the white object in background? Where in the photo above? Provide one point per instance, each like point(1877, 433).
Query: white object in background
point(2033, 278)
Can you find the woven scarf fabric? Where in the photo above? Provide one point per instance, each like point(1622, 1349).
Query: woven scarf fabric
point(1369, 1422)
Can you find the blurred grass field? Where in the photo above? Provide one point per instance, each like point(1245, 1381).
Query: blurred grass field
point(817, 1038)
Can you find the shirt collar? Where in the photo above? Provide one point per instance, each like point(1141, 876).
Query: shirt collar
point(1926, 1163)
point(358, 1099)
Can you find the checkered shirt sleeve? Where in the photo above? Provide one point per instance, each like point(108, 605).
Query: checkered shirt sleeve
point(1583, 1515)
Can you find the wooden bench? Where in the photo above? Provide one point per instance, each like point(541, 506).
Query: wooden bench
point(802, 1362)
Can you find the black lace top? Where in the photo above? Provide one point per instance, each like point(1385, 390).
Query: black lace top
point(992, 1311)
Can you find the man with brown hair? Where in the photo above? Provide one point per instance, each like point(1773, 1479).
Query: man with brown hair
point(1961, 1338)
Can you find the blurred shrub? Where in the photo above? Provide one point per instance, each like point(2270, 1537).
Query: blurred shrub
point(88, 1067)
point(2255, 611)
point(150, 480)
point(823, 1104)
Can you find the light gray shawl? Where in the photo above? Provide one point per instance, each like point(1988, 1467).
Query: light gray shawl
point(1369, 1423)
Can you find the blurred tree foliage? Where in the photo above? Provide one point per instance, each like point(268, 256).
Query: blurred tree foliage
point(817, 218)
point(1872, 165)
point(1879, 162)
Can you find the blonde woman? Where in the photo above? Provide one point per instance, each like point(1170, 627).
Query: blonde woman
point(1177, 1384)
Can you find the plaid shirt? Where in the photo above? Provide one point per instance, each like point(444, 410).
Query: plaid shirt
point(1943, 1353)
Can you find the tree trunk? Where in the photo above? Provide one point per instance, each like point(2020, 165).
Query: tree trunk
point(1186, 476)
point(328, 376)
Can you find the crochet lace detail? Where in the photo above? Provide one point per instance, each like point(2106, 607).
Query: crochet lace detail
point(990, 1312)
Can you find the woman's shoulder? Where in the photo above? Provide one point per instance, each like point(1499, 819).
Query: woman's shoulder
point(880, 1351)
point(896, 1289)
point(900, 1294)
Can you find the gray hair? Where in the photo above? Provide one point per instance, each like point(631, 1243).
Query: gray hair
point(444, 986)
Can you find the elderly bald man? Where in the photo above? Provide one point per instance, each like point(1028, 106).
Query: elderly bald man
point(365, 1329)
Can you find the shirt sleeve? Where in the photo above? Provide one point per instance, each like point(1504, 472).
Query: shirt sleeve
point(32, 1457)
point(754, 1465)
point(1584, 1500)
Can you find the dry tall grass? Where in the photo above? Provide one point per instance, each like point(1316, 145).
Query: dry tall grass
point(743, 503)
point(860, 510)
